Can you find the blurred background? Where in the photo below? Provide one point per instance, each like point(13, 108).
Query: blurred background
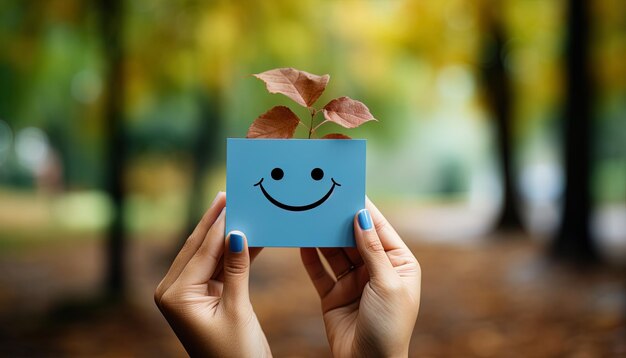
point(499, 156)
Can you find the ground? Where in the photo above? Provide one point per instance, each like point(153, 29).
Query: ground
point(498, 298)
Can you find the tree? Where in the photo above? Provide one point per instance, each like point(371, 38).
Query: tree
point(574, 240)
point(111, 26)
point(498, 88)
point(205, 144)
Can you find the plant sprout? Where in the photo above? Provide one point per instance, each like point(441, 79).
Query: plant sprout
point(304, 88)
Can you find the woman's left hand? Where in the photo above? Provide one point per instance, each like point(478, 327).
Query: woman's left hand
point(371, 299)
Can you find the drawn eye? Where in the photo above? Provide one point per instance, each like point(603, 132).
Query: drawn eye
point(277, 174)
point(317, 174)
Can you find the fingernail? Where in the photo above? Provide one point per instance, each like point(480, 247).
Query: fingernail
point(236, 243)
point(365, 220)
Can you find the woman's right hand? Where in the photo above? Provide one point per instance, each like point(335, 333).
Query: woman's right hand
point(204, 295)
point(371, 303)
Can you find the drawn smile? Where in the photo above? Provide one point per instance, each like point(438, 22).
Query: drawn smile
point(297, 208)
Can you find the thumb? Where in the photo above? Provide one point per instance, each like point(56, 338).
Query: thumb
point(236, 270)
point(371, 248)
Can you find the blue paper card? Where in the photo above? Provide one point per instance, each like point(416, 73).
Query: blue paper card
point(295, 192)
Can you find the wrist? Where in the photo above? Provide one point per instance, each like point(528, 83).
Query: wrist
point(379, 348)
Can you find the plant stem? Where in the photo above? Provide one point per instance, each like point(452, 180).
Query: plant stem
point(312, 111)
point(317, 126)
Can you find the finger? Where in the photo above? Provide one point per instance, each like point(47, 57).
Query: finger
point(192, 243)
point(387, 234)
point(353, 255)
point(337, 259)
point(346, 291)
point(236, 271)
point(322, 281)
point(204, 262)
point(219, 271)
point(371, 249)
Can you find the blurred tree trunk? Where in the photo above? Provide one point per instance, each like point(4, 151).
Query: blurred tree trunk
point(206, 144)
point(498, 86)
point(574, 241)
point(206, 140)
point(112, 25)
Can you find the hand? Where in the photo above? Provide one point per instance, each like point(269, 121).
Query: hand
point(204, 295)
point(371, 304)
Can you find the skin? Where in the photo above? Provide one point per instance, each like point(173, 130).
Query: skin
point(204, 295)
point(370, 302)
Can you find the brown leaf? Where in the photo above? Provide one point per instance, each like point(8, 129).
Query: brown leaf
point(335, 136)
point(302, 87)
point(347, 112)
point(278, 122)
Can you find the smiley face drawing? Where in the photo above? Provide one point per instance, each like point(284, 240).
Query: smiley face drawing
point(293, 192)
point(316, 174)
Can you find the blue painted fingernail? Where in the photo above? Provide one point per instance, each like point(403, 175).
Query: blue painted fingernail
point(365, 220)
point(236, 243)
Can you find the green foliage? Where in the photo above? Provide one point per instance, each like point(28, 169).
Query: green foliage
point(415, 63)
